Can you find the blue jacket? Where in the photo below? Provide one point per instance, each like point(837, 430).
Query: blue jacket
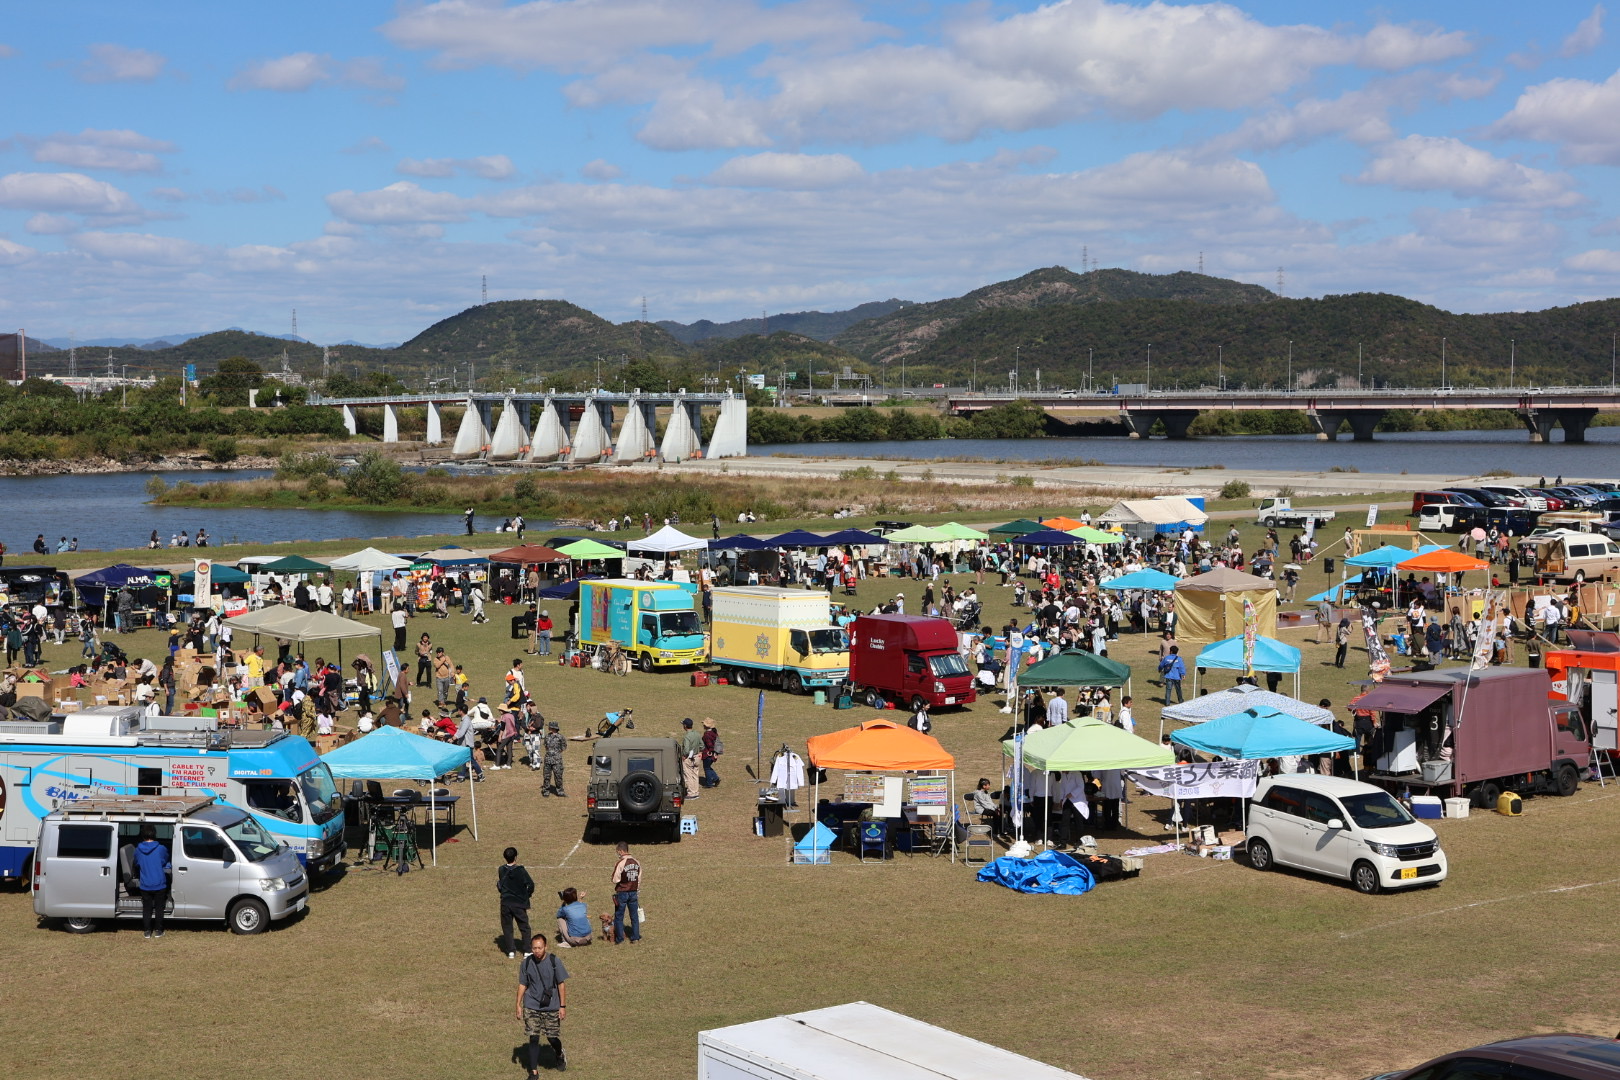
point(152, 861)
point(1172, 667)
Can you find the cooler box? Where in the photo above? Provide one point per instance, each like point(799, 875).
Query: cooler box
point(1456, 808)
point(1426, 806)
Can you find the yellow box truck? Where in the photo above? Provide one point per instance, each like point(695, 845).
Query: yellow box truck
point(777, 637)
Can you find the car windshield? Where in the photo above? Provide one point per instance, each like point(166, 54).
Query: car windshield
point(947, 664)
point(1375, 810)
point(829, 641)
point(679, 622)
point(320, 793)
point(251, 840)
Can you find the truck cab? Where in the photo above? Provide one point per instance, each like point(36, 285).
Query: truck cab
point(223, 865)
point(911, 660)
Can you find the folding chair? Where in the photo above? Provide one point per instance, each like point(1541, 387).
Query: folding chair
point(979, 845)
point(873, 836)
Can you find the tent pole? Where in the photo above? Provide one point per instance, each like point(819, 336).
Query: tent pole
point(433, 818)
point(953, 817)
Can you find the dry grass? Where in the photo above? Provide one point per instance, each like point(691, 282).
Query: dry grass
point(1195, 970)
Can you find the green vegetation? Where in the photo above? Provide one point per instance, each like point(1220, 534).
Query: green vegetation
point(1235, 489)
point(1014, 420)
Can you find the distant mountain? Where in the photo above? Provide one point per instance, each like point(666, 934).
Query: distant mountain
point(908, 329)
point(363, 345)
point(821, 325)
point(165, 341)
point(778, 352)
point(553, 332)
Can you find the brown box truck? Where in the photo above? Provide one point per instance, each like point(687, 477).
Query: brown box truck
point(1456, 732)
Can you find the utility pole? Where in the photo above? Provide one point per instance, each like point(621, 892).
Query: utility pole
point(1513, 355)
point(1220, 368)
point(1358, 365)
point(1089, 381)
point(1149, 383)
point(483, 282)
point(1290, 385)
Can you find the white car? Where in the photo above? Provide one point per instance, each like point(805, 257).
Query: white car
point(1343, 829)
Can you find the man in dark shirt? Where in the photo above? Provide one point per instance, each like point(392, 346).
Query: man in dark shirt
point(515, 886)
point(542, 1002)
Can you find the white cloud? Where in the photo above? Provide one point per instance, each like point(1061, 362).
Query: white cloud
point(13, 254)
point(1597, 261)
point(300, 71)
point(1587, 35)
point(370, 144)
point(141, 248)
point(1440, 163)
point(118, 151)
point(116, 63)
point(600, 169)
point(403, 203)
point(264, 193)
point(1582, 117)
point(1395, 48)
point(486, 167)
point(787, 171)
point(51, 224)
point(258, 257)
point(64, 192)
point(6, 51)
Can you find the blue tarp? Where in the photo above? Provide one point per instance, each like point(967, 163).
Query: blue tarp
point(1144, 579)
point(392, 753)
point(1048, 872)
point(1257, 734)
point(1269, 655)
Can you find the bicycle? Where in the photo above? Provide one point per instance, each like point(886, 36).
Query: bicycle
point(615, 660)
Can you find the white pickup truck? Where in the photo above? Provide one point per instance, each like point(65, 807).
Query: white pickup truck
point(1275, 512)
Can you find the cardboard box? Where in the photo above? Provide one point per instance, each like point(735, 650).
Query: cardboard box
point(43, 691)
point(183, 655)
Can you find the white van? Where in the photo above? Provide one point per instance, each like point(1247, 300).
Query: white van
point(1344, 829)
point(223, 864)
point(1568, 557)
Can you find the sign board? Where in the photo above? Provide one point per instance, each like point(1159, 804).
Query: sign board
point(191, 373)
point(203, 584)
point(1372, 515)
point(863, 787)
point(930, 791)
point(1200, 780)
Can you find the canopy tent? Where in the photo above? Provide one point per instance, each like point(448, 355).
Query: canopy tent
point(1097, 536)
point(1387, 556)
point(527, 555)
point(881, 746)
point(919, 534)
point(370, 559)
point(1084, 743)
point(1209, 607)
point(1047, 538)
point(1015, 529)
point(798, 538)
point(737, 543)
point(854, 538)
point(220, 575)
point(666, 540)
point(293, 564)
point(1145, 517)
point(955, 530)
point(1225, 702)
point(451, 555)
point(589, 550)
point(1269, 655)
point(1143, 579)
point(119, 576)
point(290, 624)
point(566, 590)
point(1076, 667)
point(1061, 523)
point(270, 619)
point(391, 753)
point(1334, 593)
point(1443, 561)
point(1256, 734)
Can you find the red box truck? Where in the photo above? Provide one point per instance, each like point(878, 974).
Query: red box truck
point(910, 660)
point(1457, 732)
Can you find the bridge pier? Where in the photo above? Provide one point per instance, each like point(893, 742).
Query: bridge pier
point(636, 436)
point(681, 436)
point(1175, 421)
point(591, 439)
point(550, 439)
point(435, 424)
point(472, 438)
point(390, 424)
point(1362, 423)
point(511, 436)
point(1539, 424)
point(1575, 422)
point(348, 420)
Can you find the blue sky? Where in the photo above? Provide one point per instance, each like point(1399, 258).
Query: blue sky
point(186, 166)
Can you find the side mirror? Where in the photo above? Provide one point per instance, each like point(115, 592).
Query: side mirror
point(1335, 823)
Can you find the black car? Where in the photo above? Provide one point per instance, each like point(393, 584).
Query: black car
point(1536, 1057)
point(1479, 495)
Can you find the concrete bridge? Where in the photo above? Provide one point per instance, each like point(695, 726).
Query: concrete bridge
point(571, 428)
point(1571, 408)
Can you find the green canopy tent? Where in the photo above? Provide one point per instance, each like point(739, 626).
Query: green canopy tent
point(955, 530)
point(294, 564)
point(1084, 744)
point(1076, 667)
point(586, 550)
point(1016, 528)
point(1097, 536)
point(919, 534)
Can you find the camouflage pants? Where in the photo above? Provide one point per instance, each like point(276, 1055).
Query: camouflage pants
point(552, 780)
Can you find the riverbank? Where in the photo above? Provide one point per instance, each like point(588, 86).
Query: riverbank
point(103, 466)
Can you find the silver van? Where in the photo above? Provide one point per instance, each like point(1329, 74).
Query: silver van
point(224, 864)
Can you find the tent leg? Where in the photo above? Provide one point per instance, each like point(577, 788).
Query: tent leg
point(953, 816)
point(433, 817)
point(472, 789)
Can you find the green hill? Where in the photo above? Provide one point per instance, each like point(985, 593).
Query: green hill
point(821, 325)
point(777, 352)
point(554, 333)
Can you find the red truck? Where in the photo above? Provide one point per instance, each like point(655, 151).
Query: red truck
point(1456, 732)
point(911, 660)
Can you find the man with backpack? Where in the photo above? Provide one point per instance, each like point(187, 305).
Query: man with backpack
point(713, 747)
point(516, 887)
point(542, 1002)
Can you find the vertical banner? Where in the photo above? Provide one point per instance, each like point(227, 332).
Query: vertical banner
point(759, 734)
point(1251, 629)
point(1377, 658)
point(1485, 646)
point(1372, 515)
point(202, 586)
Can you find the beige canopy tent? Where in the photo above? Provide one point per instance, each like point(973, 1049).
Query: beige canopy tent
point(1209, 607)
point(1145, 517)
point(290, 624)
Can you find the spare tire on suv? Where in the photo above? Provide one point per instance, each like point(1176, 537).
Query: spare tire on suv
point(635, 782)
point(640, 792)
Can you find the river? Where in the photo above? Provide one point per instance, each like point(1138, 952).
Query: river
point(1457, 453)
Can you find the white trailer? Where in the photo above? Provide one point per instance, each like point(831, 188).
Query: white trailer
point(857, 1041)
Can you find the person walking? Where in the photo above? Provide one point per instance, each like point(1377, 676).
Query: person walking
point(516, 888)
point(444, 676)
point(542, 1003)
point(424, 660)
point(626, 881)
point(1173, 668)
point(1341, 638)
point(691, 752)
point(712, 749)
point(551, 781)
point(152, 878)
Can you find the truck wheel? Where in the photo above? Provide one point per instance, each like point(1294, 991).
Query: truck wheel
point(741, 677)
point(1364, 876)
point(645, 663)
point(79, 926)
point(792, 683)
point(640, 791)
point(1260, 854)
point(919, 704)
point(1569, 780)
point(1270, 523)
point(874, 700)
point(248, 917)
point(1486, 794)
point(1580, 577)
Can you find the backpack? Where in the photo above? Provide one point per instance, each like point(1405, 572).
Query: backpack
point(719, 746)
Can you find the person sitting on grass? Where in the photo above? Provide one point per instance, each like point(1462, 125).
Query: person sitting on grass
point(573, 922)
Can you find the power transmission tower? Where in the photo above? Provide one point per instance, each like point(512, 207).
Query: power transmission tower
point(73, 358)
point(484, 284)
point(1085, 258)
point(295, 323)
point(1280, 289)
point(1200, 263)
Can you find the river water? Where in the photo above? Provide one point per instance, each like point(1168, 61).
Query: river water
point(1455, 453)
point(109, 510)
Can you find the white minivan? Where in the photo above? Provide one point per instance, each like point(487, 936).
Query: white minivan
point(1343, 829)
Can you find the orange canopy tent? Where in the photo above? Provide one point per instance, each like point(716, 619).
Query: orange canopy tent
point(1062, 524)
point(883, 746)
point(1444, 561)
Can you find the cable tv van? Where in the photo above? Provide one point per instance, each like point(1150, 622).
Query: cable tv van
point(223, 865)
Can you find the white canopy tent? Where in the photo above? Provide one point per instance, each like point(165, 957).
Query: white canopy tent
point(370, 559)
point(666, 540)
point(1140, 516)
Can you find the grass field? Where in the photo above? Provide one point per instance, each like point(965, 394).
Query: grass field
point(1197, 969)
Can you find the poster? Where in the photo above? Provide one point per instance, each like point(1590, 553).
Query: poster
point(930, 791)
point(203, 583)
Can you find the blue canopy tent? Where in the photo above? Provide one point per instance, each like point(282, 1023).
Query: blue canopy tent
point(391, 753)
point(1143, 579)
point(797, 538)
point(1388, 558)
point(96, 588)
point(1333, 593)
point(740, 542)
point(566, 590)
point(1047, 538)
point(1258, 734)
point(1269, 655)
point(853, 537)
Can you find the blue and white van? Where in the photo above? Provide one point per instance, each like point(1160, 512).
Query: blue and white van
point(118, 750)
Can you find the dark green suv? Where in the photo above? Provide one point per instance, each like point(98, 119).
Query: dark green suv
point(635, 782)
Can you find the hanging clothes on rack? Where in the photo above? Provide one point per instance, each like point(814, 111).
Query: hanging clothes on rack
point(787, 774)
